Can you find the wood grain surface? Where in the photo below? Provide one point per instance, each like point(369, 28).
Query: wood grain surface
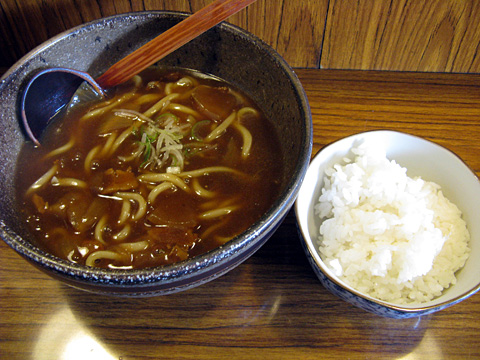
point(271, 306)
point(401, 35)
point(438, 36)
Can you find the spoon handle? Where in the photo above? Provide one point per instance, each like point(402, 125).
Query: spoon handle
point(170, 40)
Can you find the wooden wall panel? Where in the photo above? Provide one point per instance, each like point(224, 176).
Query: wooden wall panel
point(301, 32)
point(420, 35)
point(295, 28)
point(403, 35)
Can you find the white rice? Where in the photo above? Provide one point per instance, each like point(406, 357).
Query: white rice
point(392, 237)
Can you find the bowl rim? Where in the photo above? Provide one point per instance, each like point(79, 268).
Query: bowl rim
point(316, 258)
point(225, 256)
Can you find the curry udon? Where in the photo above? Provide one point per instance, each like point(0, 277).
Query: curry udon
point(169, 167)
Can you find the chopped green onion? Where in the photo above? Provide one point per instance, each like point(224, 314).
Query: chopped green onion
point(160, 142)
point(166, 116)
point(196, 128)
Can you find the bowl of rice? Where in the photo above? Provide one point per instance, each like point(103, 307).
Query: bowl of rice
point(389, 223)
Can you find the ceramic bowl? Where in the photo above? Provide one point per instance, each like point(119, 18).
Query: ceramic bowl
point(422, 158)
point(225, 51)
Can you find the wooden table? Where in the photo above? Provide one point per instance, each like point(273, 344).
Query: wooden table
point(272, 306)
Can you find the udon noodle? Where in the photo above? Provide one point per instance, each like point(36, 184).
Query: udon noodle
point(169, 167)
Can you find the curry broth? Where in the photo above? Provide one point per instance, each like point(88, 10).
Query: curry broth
point(82, 207)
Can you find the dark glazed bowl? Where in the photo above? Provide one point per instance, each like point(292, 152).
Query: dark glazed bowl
point(225, 51)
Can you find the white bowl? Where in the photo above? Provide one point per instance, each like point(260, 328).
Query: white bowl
point(422, 158)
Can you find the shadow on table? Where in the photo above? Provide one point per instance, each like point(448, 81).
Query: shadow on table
point(273, 301)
